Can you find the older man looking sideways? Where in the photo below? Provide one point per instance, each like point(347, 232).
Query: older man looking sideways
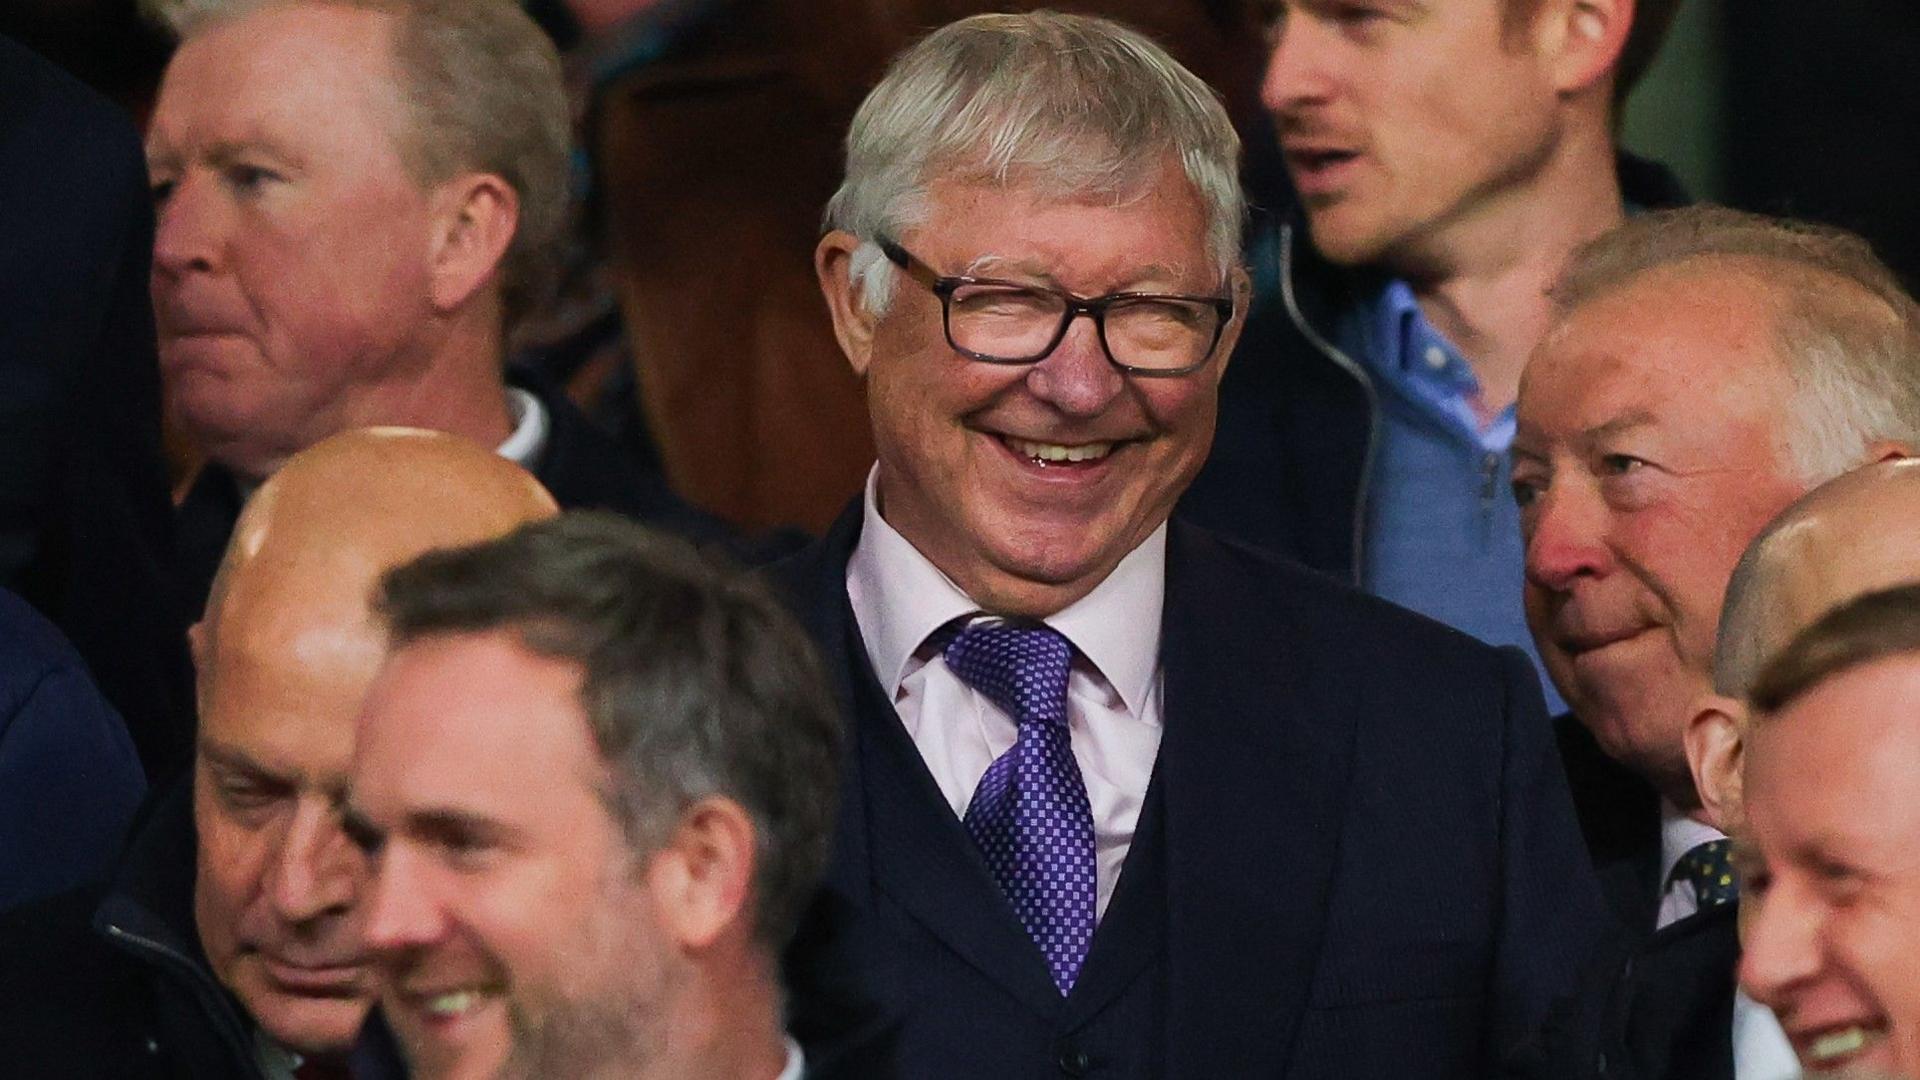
point(1098, 763)
point(624, 917)
point(355, 200)
point(1705, 368)
point(229, 941)
point(1834, 821)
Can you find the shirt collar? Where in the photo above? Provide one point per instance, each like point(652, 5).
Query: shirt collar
point(796, 1062)
point(899, 598)
point(530, 427)
point(1680, 834)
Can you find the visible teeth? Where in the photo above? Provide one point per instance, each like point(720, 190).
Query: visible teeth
point(1057, 452)
point(452, 1004)
point(1838, 1043)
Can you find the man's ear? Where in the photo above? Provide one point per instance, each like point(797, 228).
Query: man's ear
point(475, 216)
point(1240, 287)
point(702, 877)
point(1882, 450)
point(197, 645)
point(1714, 750)
point(852, 323)
point(1582, 40)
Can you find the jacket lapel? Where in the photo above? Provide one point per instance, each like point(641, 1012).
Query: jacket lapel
point(896, 835)
point(1256, 761)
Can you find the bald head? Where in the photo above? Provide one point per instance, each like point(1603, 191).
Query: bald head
point(1856, 534)
point(316, 537)
point(285, 653)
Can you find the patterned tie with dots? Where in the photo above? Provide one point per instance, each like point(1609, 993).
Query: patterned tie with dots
point(1709, 870)
point(1030, 814)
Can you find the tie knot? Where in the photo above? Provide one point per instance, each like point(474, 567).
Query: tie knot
point(1021, 667)
point(1708, 868)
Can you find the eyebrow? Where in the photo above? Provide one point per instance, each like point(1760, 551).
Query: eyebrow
point(1002, 264)
point(361, 830)
point(233, 759)
point(1619, 425)
point(162, 154)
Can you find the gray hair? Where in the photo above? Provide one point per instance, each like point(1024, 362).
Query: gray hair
point(1847, 331)
point(480, 85)
point(1071, 104)
point(695, 683)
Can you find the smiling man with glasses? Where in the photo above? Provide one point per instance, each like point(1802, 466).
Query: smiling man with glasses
point(1119, 794)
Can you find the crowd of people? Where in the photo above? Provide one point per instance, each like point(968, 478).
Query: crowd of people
point(1456, 623)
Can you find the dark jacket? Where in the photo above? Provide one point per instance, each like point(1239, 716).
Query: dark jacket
point(581, 466)
point(85, 527)
point(1356, 856)
point(111, 981)
point(1299, 414)
point(69, 777)
point(1653, 1005)
point(1620, 822)
point(1648, 1008)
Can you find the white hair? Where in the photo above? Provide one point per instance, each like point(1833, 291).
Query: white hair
point(1070, 105)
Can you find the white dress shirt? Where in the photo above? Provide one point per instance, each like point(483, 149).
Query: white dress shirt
point(1113, 690)
point(531, 426)
point(796, 1063)
point(1760, 1049)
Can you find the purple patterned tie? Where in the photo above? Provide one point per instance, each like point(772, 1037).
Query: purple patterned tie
point(1030, 814)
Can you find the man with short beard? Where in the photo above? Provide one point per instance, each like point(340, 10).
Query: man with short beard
point(595, 782)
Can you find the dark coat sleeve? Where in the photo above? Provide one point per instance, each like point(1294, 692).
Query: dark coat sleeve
point(69, 778)
point(85, 526)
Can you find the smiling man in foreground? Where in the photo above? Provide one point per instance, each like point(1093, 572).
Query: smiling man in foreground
point(595, 782)
point(1121, 798)
point(1834, 822)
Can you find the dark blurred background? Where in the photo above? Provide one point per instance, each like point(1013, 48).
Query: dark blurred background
point(1781, 106)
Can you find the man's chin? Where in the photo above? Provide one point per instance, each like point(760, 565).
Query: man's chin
point(308, 1025)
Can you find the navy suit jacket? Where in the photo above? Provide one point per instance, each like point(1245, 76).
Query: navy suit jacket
point(1357, 857)
point(85, 526)
point(69, 778)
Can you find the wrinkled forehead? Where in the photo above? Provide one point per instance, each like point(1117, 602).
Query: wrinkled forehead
point(1653, 355)
point(294, 74)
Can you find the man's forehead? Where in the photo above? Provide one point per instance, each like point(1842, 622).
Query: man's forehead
point(266, 76)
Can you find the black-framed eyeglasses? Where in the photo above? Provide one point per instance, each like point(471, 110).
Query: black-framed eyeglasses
point(1005, 322)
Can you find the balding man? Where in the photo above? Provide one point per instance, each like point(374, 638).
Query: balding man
point(356, 200)
point(228, 942)
point(1851, 536)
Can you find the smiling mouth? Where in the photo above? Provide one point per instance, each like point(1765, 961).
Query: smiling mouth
point(1048, 455)
point(1836, 1046)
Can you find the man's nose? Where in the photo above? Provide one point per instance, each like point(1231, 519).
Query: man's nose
point(1565, 532)
point(402, 912)
point(187, 228)
point(314, 873)
point(1076, 377)
point(1781, 947)
point(1298, 72)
